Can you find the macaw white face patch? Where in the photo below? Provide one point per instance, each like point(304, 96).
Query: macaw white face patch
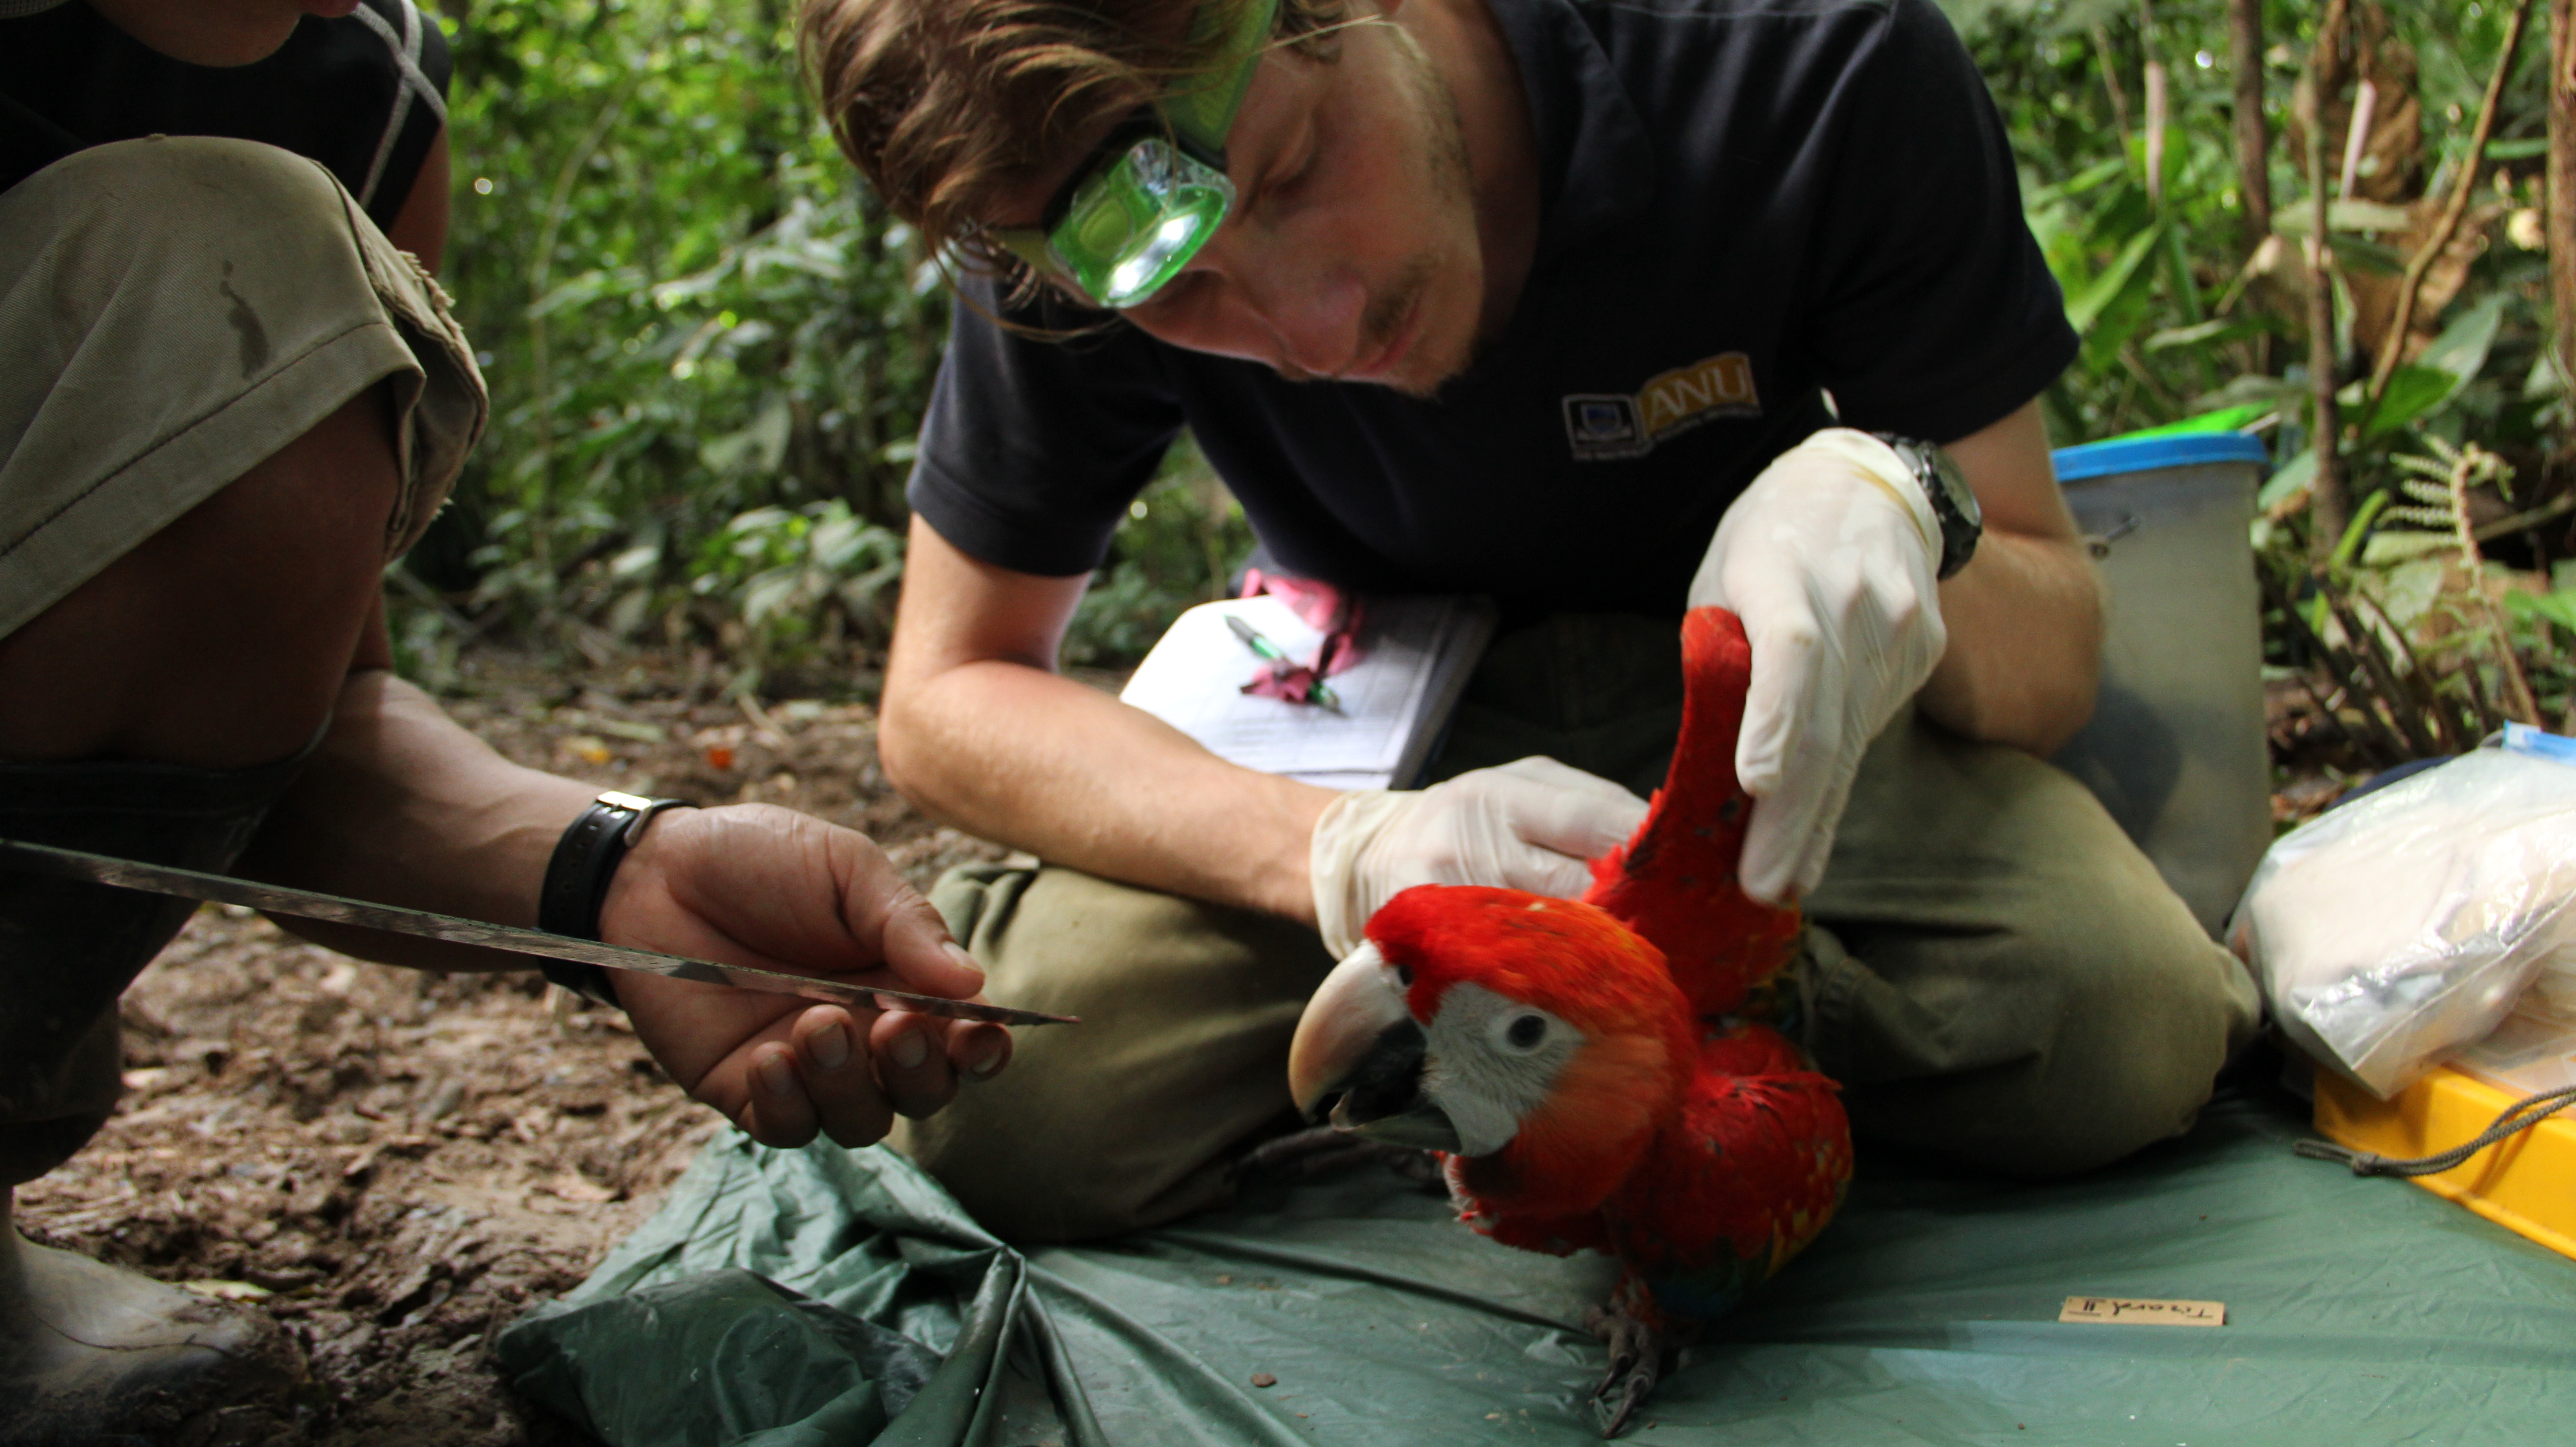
point(1491, 1061)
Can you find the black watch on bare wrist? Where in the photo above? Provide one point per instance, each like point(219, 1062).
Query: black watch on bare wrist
point(577, 878)
point(1954, 506)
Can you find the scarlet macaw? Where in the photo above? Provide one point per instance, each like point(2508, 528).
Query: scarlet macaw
point(1583, 1068)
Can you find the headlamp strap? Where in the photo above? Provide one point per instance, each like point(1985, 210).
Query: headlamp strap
point(1202, 113)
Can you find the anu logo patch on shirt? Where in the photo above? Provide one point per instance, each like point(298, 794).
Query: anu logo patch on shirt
point(1604, 426)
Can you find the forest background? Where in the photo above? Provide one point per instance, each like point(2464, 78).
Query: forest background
point(709, 346)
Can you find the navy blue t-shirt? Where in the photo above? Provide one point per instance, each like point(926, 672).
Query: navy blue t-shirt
point(364, 95)
point(1745, 203)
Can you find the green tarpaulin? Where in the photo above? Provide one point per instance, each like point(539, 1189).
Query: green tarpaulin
point(831, 1296)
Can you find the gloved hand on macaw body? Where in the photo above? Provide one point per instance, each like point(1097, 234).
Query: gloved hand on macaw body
point(1583, 1067)
point(1535, 824)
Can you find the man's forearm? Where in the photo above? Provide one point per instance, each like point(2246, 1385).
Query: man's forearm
point(1037, 761)
point(402, 806)
point(2025, 615)
point(2025, 620)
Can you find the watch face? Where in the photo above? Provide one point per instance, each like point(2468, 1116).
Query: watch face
point(1954, 503)
point(1954, 484)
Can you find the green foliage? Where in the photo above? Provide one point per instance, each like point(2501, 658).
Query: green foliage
point(1183, 538)
point(2184, 304)
point(698, 327)
point(710, 349)
point(2157, 285)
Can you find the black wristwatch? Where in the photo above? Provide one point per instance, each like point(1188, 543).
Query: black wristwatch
point(1953, 505)
point(576, 884)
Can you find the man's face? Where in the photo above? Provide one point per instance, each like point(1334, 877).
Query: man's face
point(1351, 253)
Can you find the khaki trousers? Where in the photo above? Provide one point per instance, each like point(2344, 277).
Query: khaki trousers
point(1990, 968)
point(172, 311)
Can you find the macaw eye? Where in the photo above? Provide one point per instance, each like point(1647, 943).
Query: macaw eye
point(1526, 1032)
point(1404, 976)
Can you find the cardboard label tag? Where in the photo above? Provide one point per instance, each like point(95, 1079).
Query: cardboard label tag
point(2139, 1311)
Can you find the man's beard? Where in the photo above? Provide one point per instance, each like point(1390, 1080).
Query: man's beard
point(1387, 311)
point(1450, 191)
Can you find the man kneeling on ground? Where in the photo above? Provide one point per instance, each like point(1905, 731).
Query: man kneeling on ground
point(1540, 299)
point(231, 394)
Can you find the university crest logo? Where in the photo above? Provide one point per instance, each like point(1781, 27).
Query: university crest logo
point(1604, 426)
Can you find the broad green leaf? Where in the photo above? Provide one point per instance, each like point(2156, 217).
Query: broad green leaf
point(635, 562)
point(2544, 379)
point(2384, 549)
point(2409, 590)
point(2183, 287)
point(2413, 391)
point(2269, 393)
point(2461, 349)
point(2353, 253)
point(2082, 181)
point(2364, 519)
point(2215, 331)
point(2558, 608)
point(769, 592)
point(2341, 217)
point(2083, 307)
point(2289, 482)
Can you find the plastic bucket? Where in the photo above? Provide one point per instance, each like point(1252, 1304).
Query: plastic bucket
point(2176, 746)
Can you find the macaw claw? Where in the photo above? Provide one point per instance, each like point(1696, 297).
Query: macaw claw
point(1636, 1364)
point(1323, 1150)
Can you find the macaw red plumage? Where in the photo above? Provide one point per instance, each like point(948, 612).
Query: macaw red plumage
point(1583, 1066)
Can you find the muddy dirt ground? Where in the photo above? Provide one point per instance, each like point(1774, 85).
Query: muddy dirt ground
point(396, 1164)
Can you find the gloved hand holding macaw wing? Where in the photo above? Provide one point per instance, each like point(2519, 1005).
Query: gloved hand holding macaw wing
point(1531, 825)
point(1830, 558)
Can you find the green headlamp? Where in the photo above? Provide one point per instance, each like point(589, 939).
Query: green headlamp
point(1153, 192)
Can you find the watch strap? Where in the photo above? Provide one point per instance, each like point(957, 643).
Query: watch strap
point(577, 879)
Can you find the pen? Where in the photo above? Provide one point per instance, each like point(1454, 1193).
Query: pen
point(1316, 692)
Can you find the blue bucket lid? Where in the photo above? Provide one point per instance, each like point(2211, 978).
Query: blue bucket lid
point(2147, 454)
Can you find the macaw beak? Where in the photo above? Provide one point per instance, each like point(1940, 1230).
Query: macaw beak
point(1358, 1047)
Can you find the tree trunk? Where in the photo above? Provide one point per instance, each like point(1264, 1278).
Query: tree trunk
point(2253, 132)
point(2152, 80)
point(2329, 505)
point(2558, 219)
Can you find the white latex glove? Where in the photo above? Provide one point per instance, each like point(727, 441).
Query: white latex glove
point(1830, 559)
point(1533, 825)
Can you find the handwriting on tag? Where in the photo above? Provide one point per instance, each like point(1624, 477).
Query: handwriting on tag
point(2139, 1311)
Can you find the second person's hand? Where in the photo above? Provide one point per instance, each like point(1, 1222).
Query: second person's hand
point(757, 885)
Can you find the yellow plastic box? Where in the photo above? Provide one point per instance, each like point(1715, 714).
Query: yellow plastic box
point(2526, 1182)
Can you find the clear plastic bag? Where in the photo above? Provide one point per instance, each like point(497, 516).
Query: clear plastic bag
point(2534, 1050)
point(2397, 929)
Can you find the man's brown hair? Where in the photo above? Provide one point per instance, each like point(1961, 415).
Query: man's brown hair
point(949, 105)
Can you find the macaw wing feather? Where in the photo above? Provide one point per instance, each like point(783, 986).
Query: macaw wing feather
point(1674, 881)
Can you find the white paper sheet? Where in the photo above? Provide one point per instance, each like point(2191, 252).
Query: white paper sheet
point(1194, 677)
